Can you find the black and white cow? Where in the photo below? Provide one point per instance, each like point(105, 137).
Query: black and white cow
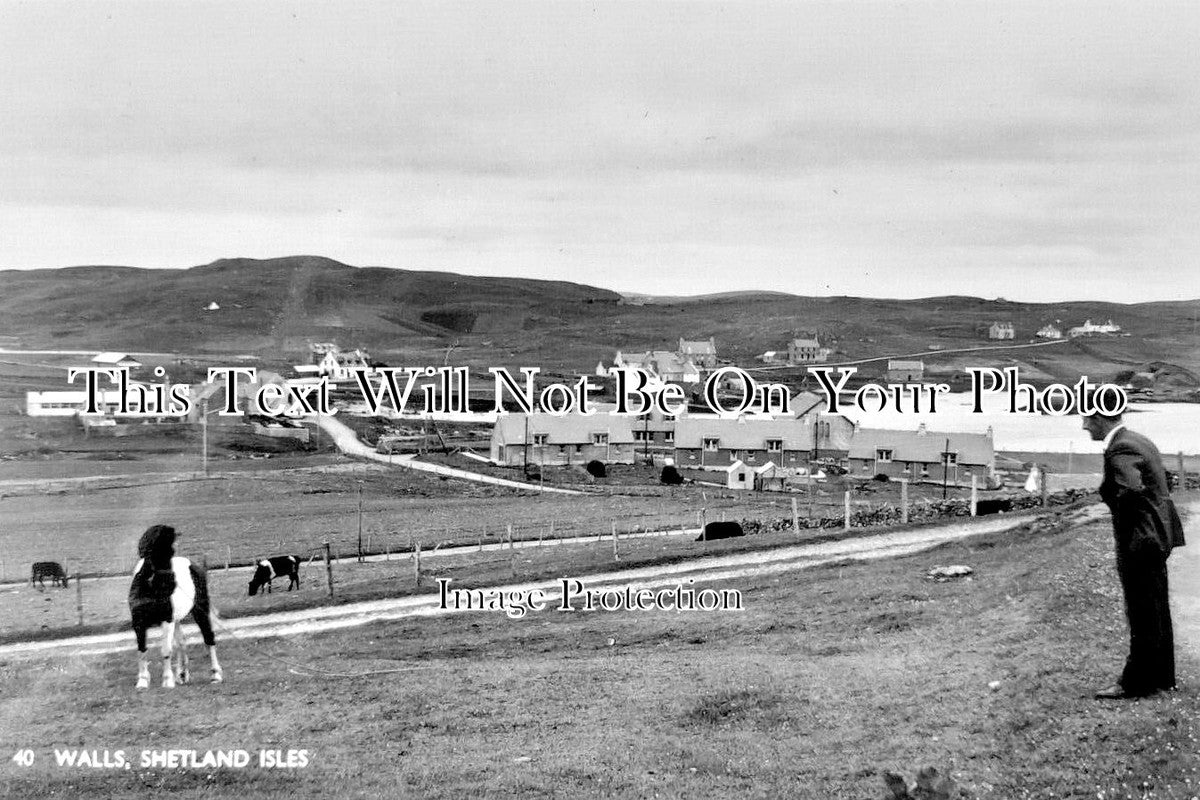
point(165, 589)
point(275, 567)
point(720, 530)
point(48, 569)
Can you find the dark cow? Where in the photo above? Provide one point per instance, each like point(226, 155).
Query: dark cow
point(720, 530)
point(275, 567)
point(48, 569)
point(165, 589)
point(999, 505)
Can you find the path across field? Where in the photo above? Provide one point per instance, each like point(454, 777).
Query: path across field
point(702, 570)
point(348, 442)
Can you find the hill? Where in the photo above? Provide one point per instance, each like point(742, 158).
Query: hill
point(274, 308)
point(274, 304)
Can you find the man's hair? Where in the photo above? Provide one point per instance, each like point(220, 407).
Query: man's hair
point(1092, 398)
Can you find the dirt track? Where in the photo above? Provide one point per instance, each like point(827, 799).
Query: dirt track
point(703, 570)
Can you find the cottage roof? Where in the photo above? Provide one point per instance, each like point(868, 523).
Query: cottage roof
point(805, 342)
point(804, 403)
point(705, 348)
point(926, 447)
point(895, 363)
point(747, 433)
point(115, 358)
point(567, 429)
point(661, 362)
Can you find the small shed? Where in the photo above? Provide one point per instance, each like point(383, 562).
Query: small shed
point(740, 476)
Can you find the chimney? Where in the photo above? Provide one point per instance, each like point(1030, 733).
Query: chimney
point(921, 431)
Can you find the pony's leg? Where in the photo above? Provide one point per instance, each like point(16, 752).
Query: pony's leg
point(168, 642)
point(180, 654)
point(218, 676)
point(143, 678)
point(204, 618)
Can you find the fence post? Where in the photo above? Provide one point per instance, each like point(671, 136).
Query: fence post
point(704, 525)
point(417, 563)
point(974, 494)
point(1182, 474)
point(847, 504)
point(904, 500)
point(510, 538)
point(795, 517)
point(1042, 482)
point(228, 556)
point(811, 491)
point(79, 597)
point(616, 556)
point(329, 569)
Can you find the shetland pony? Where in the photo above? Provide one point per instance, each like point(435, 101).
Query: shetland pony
point(165, 589)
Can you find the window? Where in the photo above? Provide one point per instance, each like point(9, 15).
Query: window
point(774, 445)
point(734, 455)
point(951, 459)
point(712, 445)
point(669, 437)
point(641, 436)
point(741, 477)
point(578, 448)
point(883, 456)
point(540, 439)
point(600, 439)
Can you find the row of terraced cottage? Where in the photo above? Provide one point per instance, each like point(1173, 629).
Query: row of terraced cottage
point(751, 448)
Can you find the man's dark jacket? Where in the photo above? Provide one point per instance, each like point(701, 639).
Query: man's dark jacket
point(1135, 490)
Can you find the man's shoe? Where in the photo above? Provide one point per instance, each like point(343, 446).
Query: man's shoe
point(1119, 693)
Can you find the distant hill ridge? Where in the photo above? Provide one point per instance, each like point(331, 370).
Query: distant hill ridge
point(275, 307)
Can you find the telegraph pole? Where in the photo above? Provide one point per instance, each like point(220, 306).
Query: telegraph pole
point(204, 435)
point(945, 467)
point(360, 550)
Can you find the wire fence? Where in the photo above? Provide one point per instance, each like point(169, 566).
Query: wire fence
point(390, 563)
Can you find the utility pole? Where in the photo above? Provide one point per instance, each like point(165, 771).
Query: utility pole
point(646, 437)
point(204, 435)
point(945, 467)
point(360, 550)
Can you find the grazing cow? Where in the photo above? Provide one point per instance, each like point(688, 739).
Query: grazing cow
point(999, 505)
point(48, 569)
point(275, 567)
point(165, 589)
point(720, 530)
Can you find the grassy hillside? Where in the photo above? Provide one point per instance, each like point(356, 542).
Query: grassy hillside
point(826, 680)
point(274, 308)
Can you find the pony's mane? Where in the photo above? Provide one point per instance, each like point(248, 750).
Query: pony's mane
point(157, 545)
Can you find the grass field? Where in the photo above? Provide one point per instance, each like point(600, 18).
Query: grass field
point(244, 515)
point(31, 612)
point(827, 678)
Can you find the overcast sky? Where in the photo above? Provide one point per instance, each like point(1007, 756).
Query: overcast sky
point(1036, 151)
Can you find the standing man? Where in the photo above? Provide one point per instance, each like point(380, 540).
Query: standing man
point(1145, 528)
